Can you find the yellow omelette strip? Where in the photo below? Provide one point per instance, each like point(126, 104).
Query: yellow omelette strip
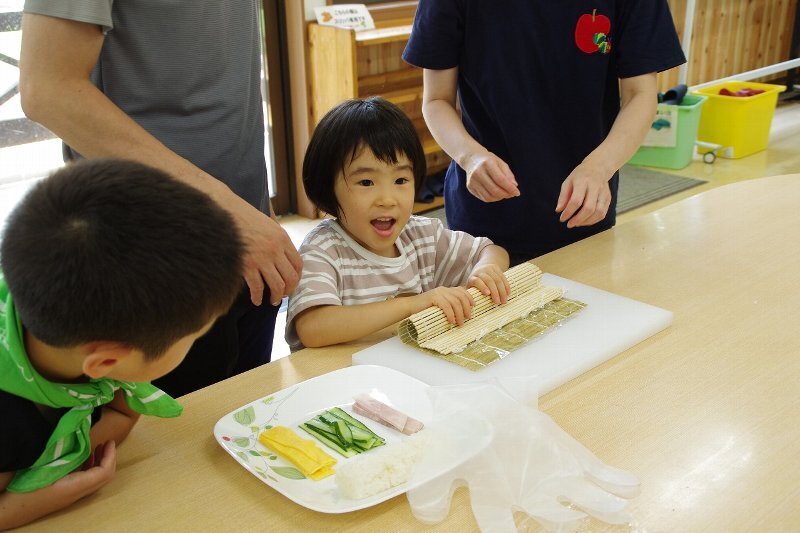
point(303, 453)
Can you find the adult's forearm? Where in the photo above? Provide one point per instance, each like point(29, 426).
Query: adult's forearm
point(439, 93)
point(629, 128)
point(445, 125)
point(82, 116)
point(56, 59)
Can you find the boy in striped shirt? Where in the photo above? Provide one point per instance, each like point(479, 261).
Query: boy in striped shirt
point(375, 263)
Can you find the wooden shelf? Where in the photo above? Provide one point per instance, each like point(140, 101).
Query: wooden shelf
point(378, 84)
point(383, 35)
point(435, 158)
point(421, 208)
point(410, 101)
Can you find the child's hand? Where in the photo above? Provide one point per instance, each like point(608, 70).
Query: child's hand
point(455, 302)
point(490, 280)
point(96, 471)
point(99, 457)
point(23, 507)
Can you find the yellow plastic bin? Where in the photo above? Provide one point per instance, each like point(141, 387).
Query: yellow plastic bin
point(739, 124)
point(679, 155)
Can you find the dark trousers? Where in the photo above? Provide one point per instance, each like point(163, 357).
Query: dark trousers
point(238, 341)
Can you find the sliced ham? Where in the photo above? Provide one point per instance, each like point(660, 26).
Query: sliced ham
point(378, 411)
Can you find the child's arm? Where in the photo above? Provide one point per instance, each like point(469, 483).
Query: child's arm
point(487, 274)
point(332, 324)
point(19, 508)
point(115, 424)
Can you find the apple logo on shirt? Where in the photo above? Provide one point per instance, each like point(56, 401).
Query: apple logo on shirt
point(592, 33)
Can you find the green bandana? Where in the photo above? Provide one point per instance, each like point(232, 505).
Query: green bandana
point(69, 445)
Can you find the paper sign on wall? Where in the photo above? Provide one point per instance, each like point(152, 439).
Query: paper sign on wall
point(664, 129)
point(348, 16)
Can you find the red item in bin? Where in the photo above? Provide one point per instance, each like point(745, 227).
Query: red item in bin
point(741, 92)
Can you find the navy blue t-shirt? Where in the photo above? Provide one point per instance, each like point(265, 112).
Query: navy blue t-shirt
point(538, 86)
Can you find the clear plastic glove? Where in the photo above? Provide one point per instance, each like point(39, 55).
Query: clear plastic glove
point(530, 464)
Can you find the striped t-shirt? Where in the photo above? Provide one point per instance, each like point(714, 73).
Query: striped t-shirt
point(339, 271)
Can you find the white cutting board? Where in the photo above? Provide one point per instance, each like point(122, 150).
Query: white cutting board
point(608, 325)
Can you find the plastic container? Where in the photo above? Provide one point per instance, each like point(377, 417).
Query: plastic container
point(681, 154)
point(739, 124)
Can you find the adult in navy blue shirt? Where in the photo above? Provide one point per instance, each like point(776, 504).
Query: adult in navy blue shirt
point(554, 98)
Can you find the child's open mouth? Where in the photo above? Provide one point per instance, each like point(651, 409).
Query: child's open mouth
point(383, 226)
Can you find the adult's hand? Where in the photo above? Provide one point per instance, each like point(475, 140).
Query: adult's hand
point(271, 257)
point(585, 197)
point(489, 178)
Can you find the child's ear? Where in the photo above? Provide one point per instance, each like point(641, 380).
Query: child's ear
point(102, 356)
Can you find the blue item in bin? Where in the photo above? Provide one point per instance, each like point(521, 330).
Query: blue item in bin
point(661, 123)
point(673, 96)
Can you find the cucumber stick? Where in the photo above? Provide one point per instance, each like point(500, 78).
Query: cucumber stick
point(328, 440)
point(341, 432)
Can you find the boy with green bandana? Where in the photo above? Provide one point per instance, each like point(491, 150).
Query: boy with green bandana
point(110, 271)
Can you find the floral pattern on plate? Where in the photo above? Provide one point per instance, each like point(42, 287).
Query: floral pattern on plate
point(247, 448)
point(237, 432)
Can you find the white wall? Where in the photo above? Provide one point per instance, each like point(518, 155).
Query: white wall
point(309, 6)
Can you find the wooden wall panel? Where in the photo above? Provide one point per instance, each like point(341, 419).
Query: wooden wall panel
point(732, 36)
point(374, 60)
point(332, 66)
point(297, 56)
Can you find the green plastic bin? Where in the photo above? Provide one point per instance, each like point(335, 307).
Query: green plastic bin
point(680, 155)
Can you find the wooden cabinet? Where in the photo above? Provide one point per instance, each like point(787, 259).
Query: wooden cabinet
point(347, 64)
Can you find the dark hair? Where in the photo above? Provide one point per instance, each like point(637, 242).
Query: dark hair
point(116, 250)
point(343, 131)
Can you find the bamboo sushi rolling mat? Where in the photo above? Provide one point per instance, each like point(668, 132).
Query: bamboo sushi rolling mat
point(493, 330)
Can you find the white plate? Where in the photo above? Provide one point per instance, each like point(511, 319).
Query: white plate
point(237, 432)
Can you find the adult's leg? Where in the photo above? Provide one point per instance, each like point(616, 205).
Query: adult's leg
point(238, 341)
point(210, 359)
point(255, 328)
